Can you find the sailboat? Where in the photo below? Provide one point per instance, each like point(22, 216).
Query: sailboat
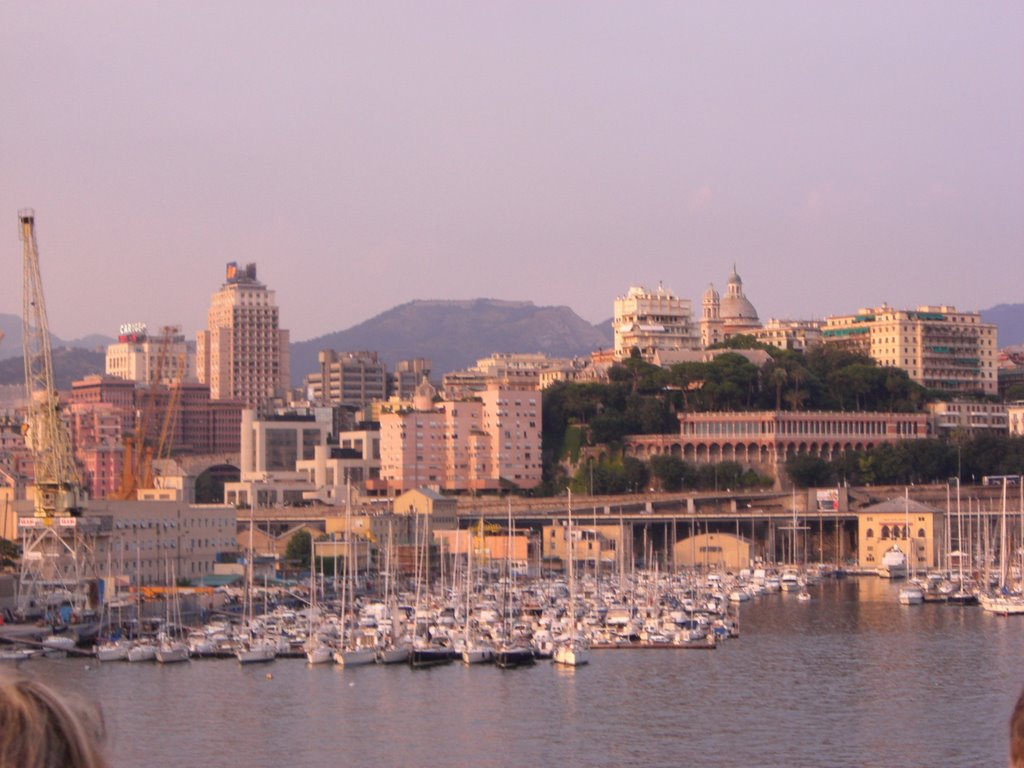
point(572, 652)
point(171, 649)
point(1003, 603)
point(356, 650)
point(253, 647)
point(393, 649)
point(509, 654)
point(474, 649)
point(317, 651)
point(911, 592)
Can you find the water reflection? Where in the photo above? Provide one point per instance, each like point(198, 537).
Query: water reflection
point(850, 678)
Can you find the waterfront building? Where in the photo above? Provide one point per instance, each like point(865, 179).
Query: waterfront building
point(967, 417)
point(155, 542)
point(798, 335)
point(351, 379)
point(651, 320)
point(486, 443)
point(723, 318)
point(137, 355)
point(765, 440)
point(243, 354)
point(713, 552)
point(441, 510)
point(939, 347)
point(595, 543)
point(907, 524)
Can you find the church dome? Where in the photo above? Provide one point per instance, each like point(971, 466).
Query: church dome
point(735, 306)
point(711, 294)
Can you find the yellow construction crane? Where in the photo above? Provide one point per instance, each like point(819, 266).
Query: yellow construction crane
point(139, 451)
point(57, 483)
point(57, 544)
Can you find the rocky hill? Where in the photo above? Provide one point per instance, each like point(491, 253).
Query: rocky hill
point(455, 334)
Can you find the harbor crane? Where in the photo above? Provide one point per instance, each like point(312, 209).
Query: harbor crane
point(57, 543)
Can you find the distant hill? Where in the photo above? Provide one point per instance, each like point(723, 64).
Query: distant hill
point(455, 334)
point(11, 344)
point(1010, 320)
point(69, 365)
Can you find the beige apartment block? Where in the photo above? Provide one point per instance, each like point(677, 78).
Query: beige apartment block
point(967, 417)
point(939, 347)
point(651, 320)
point(244, 354)
point(486, 443)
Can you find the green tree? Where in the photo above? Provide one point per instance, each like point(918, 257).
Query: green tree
point(670, 471)
point(807, 471)
point(297, 551)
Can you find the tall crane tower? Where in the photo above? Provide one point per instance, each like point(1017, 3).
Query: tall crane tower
point(57, 543)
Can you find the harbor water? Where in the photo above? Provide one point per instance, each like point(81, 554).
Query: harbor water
point(848, 678)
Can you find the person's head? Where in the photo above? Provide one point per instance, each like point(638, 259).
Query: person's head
point(1017, 734)
point(40, 728)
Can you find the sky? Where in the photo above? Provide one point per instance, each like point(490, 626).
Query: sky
point(841, 154)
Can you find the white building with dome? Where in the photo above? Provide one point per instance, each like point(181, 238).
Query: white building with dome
point(724, 318)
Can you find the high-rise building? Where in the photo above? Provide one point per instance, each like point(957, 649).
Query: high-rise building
point(650, 320)
point(352, 379)
point(938, 347)
point(243, 354)
point(138, 356)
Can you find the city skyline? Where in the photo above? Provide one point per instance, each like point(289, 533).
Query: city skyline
point(365, 156)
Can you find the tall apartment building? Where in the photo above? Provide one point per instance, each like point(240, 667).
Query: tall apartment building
point(243, 354)
point(407, 376)
point(136, 355)
point(938, 347)
point(353, 379)
point(654, 320)
point(465, 445)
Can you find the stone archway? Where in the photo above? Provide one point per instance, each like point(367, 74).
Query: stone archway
point(209, 484)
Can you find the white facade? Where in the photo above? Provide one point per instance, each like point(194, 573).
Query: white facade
point(650, 320)
point(135, 356)
point(939, 347)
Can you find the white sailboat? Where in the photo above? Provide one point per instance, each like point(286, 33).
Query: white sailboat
point(571, 652)
point(356, 649)
point(253, 647)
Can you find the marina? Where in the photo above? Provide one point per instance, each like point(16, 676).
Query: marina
point(848, 678)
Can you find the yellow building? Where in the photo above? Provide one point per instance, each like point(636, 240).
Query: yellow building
point(713, 551)
point(938, 347)
point(601, 543)
point(907, 524)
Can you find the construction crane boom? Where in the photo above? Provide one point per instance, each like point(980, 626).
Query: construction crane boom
point(57, 482)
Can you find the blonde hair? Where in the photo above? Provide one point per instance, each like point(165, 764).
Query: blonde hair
point(41, 728)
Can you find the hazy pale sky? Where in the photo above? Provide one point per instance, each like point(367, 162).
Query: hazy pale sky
point(842, 154)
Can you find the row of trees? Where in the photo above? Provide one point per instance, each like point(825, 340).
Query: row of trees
point(641, 398)
point(914, 461)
